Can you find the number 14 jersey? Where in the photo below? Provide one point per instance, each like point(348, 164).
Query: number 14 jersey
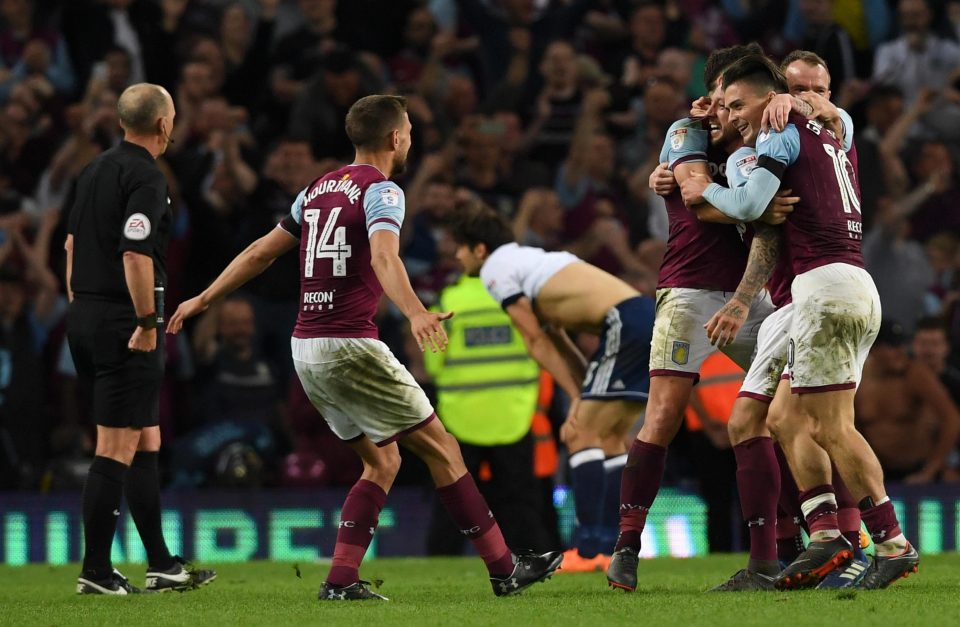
point(334, 218)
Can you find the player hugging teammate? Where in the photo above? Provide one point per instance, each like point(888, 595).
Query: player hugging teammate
point(827, 332)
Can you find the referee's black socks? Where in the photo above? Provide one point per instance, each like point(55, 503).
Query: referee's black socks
point(101, 509)
point(143, 498)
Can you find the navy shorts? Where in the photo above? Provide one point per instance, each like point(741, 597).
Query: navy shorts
point(620, 369)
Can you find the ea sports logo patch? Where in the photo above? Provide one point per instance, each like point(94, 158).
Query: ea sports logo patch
point(137, 227)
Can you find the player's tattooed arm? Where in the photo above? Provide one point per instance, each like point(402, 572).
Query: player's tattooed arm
point(723, 327)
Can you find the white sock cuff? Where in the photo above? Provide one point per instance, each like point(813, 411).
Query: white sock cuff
point(615, 463)
point(883, 500)
point(586, 455)
point(811, 504)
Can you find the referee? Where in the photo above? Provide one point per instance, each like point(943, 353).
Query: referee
point(117, 234)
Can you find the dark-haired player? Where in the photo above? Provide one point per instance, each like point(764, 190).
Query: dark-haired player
point(347, 225)
point(750, 426)
point(702, 267)
point(836, 316)
point(536, 287)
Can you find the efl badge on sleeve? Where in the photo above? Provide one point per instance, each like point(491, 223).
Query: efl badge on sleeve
point(390, 197)
point(677, 137)
point(681, 353)
point(746, 165)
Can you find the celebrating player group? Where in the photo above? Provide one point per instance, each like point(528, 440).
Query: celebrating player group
point(763, 263)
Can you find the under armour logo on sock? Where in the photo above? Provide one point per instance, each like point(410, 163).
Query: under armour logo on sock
point(116, 512)
point(759, 522)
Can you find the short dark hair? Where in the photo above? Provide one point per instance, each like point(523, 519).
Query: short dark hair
point(140, 106)
point(480, 224)
point(807, 56)
point(719, 60)
point(372, 118)
point(931, 323)
point(758, 71)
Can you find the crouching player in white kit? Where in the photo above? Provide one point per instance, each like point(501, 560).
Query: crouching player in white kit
point(536, 287)
point(347, 224)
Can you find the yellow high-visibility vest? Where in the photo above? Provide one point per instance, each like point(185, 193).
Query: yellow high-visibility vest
point(487, 384)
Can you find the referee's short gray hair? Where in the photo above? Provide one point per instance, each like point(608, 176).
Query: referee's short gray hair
point(140, 106)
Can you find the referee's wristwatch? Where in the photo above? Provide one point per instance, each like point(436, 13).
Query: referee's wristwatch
point(148, 321)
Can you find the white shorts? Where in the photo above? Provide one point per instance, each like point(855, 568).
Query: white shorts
point(360, 388)
point(835, 321)
point(770, 363)
point(680, 343)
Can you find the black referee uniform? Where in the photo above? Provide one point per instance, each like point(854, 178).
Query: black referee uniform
point(120, 204)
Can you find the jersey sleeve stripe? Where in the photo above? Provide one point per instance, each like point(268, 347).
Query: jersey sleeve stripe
point(691, 158)
point(509, 300)
point(389, 221)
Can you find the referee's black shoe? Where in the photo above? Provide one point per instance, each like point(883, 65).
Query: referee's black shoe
point(116, 584)
point(180, 577)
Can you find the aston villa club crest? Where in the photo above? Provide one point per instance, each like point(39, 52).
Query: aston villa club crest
point(681, 353)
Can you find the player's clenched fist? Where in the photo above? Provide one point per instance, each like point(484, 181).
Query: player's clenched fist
point(428, 331)
point(662, 181)
point(693, 187)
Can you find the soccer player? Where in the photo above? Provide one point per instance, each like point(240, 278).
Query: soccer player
point(702, 266)
point(346, 225)
point(538, 288)
point(836, 316)
point(759, 477)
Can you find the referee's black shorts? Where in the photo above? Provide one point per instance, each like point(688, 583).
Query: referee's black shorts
point(126, 385)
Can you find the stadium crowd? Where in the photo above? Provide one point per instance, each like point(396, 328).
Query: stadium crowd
point(551, 112)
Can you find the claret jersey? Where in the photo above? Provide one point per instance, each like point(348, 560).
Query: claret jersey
point(334, 218)
point(700, 255)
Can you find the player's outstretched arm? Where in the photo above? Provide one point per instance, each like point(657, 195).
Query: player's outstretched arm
point(542, 348)
point(723, 327)
point(256, 258)
point(387, 265)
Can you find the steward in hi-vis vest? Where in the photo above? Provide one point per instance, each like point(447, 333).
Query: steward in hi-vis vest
point(487, 392)
point(487, 384)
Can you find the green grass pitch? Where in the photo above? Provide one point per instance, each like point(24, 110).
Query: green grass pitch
point(456, 592)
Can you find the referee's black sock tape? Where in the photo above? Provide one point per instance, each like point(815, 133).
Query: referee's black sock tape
point(143, 498)
point(102, 493)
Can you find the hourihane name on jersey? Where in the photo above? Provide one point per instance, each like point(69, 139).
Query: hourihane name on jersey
point(345, 186)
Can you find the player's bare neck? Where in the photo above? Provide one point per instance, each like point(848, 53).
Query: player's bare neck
point(382, 161)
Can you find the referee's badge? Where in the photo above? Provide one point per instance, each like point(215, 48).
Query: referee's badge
point(137, 227)
point(681, 353)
